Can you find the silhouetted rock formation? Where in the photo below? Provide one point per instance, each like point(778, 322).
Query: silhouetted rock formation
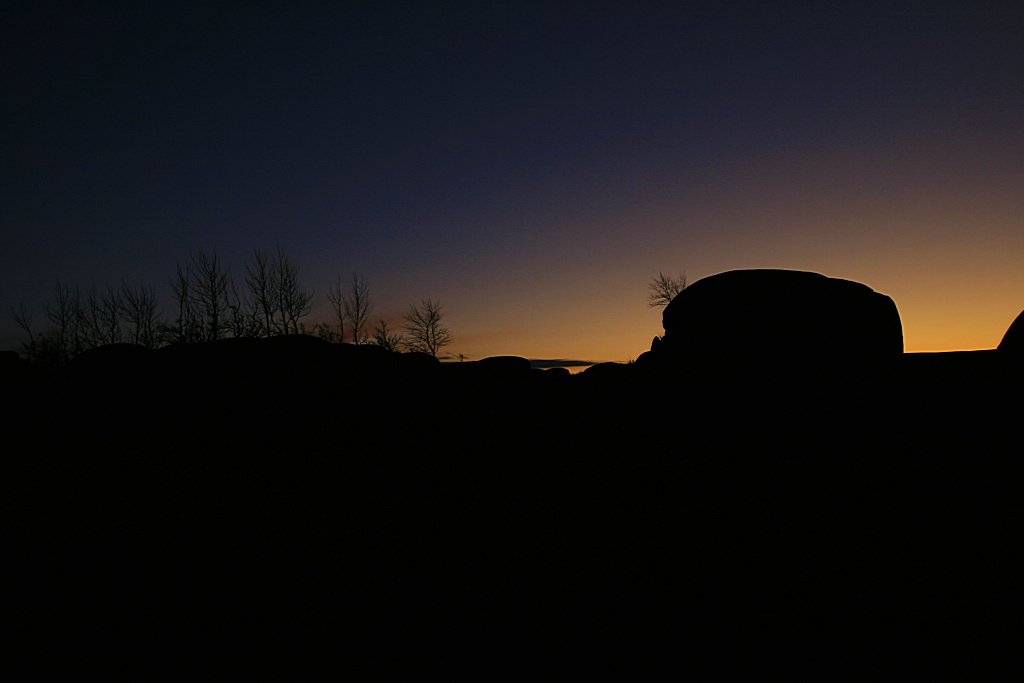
point(492, 369)
point(110, 363)
point(246, 484)
point(1013, 340)
point(506, 365)
point(605, 371)
point(747, 314)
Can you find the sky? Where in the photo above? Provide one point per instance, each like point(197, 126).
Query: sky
point(533, 168)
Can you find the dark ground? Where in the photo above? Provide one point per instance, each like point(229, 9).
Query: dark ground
point(795, 507)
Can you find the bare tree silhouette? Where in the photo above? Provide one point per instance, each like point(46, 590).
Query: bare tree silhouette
point(22, 317)
point(104, 311)
point(258, 279)
point(385, 339)
point(211, 280)
point(424, 328)
point(276, 300)
point(357, 306)
point(67, 315)
point(245, 318)
point(185, 327)
point(139, 309)
point(291, 301)
point(664, 288)
point(336, 299)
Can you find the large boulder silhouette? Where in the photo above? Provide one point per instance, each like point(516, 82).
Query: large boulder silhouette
point(1013, 340)
point(770, 313)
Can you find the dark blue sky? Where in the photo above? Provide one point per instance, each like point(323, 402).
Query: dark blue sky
point(531, 168)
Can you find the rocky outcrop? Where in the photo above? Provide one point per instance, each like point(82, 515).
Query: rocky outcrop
point(111, 364)
point(772, 313)
point(257, 482)
point(1013, 340)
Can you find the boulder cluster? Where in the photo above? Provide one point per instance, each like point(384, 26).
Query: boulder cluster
point(775, 462)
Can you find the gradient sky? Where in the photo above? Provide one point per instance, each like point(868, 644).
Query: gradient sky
point(531, 168)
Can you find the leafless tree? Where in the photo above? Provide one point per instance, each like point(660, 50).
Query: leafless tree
point(91, 324)
point(104, 310)
point(664, 288)
point(186, 326)
point(291, 302)
point(424, 328)
point(260, 281)
point(22, 317)
point(357, 307)
point(244, 317)
point(139, 310)
point(336, 298)
point(67, 315)
point(210, 293)
point(385, 339)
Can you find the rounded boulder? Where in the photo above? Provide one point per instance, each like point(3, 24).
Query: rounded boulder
point(763, 313)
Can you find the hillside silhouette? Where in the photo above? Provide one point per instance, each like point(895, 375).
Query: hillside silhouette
point(247, 483)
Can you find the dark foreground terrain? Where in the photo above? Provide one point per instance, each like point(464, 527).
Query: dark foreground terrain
point(390, 509)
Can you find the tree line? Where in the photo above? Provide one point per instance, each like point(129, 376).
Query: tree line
point(209, 303)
